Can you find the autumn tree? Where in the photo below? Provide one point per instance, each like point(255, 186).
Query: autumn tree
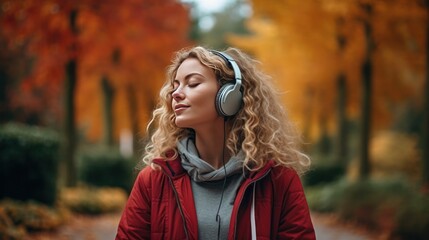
point(367, 78)
point(130, 46)
point(14, 65)
point(377, 19)
point(301, 57)
point(69, 168)
point(54, 44)
point(341, 85)
point(108, 93)
point(425, 124)
point(73, 44)
point(298, 42)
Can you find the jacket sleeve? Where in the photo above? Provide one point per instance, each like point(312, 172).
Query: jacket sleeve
point(135, 220)
point(295, 220)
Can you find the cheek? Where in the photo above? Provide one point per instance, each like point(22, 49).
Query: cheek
point(209, 108)
point(208, 99)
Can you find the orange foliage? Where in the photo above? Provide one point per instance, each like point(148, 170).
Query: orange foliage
point(297, 43)
point(129, 41)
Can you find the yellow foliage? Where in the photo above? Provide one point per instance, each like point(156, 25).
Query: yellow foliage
point(93, 200)
point(7, 228)
point(395, 153)
point(392, 154)
point(17, 218)
point(305, 45)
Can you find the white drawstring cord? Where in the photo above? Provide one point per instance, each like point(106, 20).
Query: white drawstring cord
point(252, 214)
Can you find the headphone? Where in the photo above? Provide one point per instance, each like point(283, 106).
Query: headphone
point(229, 97)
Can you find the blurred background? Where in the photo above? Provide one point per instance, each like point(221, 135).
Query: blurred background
point(79, 81)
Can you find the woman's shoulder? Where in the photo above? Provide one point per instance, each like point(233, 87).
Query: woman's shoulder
point(284, 171)
point(286, 177)
point(149, 174)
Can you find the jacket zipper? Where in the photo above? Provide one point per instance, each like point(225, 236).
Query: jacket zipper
point(241, 200)
point(178, 204)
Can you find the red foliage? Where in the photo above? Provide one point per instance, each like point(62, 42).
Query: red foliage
point(129, 41)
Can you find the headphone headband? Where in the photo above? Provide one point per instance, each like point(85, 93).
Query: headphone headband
point(231, 62)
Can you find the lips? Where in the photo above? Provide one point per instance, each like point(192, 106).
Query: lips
point(180, 107)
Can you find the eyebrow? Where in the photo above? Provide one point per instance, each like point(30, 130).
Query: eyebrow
point(188, 76)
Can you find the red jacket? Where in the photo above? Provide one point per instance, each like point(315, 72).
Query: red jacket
point(161, 206)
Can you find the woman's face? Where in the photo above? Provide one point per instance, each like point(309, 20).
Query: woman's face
point(194, 95)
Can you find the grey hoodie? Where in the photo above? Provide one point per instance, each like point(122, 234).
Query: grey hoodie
point(208, 186)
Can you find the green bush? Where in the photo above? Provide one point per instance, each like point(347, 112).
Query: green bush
point(391, 206)
point(374, 204)
point(104, 167)
point(413, 218)
point(28, 163)
point(325, 198)
point(323, 173)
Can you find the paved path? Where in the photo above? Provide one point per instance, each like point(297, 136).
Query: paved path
point(104, 228)
point(84, 228)
point(328, 229)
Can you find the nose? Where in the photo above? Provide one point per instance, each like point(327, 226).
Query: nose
point(177, 94)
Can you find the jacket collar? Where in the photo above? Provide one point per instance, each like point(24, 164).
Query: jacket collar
point(255, 175)
point(172, 168)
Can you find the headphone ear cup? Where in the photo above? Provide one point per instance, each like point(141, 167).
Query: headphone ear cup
point(228, 101)
point(219, 97)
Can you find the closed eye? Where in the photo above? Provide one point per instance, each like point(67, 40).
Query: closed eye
point(192, 85)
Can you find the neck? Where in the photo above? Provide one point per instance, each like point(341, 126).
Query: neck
point(210, 143)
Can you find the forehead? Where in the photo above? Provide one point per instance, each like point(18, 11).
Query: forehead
point(193, 66)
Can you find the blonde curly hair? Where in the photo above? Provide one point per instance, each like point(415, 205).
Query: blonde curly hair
point(261, 128)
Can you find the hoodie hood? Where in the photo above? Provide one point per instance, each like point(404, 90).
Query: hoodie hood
point(201, 171)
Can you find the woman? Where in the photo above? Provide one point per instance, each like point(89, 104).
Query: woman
point(223, 161)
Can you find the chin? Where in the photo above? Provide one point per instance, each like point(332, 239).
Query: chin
point(180, 123)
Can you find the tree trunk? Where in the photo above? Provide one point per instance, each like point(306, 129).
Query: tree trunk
point(308, 110)
point(69, 135)
point(132, 106)
point(342, 138)
point(108, 96)
point(425, 128)
point(342, 133)
point(69, 143)
point(325, 144)
point(365, 166)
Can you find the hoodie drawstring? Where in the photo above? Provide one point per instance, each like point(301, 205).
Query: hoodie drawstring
point(252, 214)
